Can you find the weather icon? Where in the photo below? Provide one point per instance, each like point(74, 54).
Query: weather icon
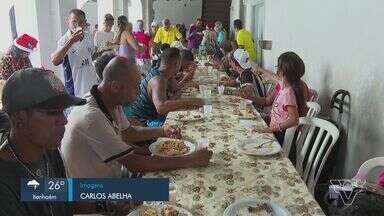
point(33, 183)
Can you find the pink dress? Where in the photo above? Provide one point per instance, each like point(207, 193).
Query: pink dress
point(282, 98)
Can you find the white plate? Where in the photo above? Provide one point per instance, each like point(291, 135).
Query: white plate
point(249, 124)
point(158, 208)
point(258, 147)
point(241, 208)
point(189, 116)
point(154, 147)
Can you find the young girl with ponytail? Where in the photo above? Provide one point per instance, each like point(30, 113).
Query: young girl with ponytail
point(287, 99)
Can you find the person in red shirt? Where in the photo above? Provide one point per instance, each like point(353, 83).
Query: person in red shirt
point(143, 38)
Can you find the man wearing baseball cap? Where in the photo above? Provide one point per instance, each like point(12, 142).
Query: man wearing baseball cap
point(34, 100)
point(251, 85)
point(17, 56)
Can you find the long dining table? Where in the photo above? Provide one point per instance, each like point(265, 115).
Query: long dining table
point(232, 176)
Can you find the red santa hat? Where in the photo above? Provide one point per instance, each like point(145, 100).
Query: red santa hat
point(25, 42)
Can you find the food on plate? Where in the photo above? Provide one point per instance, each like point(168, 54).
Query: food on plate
point(197, 116)
point(234, 100)
point(260, 209)
point(173, 147)
point(247, 113)
point(146, 211)
point(169, 211)
point(180, 116)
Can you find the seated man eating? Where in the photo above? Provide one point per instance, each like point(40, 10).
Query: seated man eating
point(155, 99)
point(187, 70)
point(98, 137)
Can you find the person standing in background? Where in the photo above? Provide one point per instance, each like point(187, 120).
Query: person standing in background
point(167, 34)
point(128, 45)
point(195, 35)
point(17, 56)
point(208, 45)
point(143, 38)
point(220, 31)
point(244, 39)
point(103, 38)
point(74, 52)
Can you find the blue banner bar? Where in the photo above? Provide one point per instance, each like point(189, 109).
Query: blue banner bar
point(70, 189)
point(93, 189)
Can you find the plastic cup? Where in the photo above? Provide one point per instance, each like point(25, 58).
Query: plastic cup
point(221, 89)
point(207, 92)
point(202, 143)
point(207, 110)
point(202, 89)
point(172, 193)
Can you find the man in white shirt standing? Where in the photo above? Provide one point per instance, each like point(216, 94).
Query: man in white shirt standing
point(74, 53)
point(105, 35)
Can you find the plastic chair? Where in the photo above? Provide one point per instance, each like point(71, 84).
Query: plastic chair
point(312, 147)
point(313, 109)
point(367, 166)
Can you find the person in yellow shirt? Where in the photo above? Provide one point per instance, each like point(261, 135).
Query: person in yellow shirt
point(244, 39)
point(167, 34)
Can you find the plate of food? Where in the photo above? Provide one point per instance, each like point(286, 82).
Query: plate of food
point(258, 147)
point(186, 116)
point(160, 210)
point(248, 113)
point(171, 147)
point(234, 99)
point(247, 207)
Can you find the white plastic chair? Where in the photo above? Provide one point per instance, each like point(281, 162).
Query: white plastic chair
point(313, 109)
point(367, 166)
point(311, 152)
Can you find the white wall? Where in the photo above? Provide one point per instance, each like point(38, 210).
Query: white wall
point(5, 36)
point(183, 11)
point(90, 10)
point(135, 11)
point(26, 22)
point(341, 44)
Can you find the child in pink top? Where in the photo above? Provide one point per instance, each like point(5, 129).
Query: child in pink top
point(287, 99)
point(283, 98)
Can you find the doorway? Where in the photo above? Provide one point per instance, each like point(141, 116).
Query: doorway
point(257, 26)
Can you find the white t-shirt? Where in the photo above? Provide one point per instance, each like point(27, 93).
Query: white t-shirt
point(101, 37)
point(78, 72)
point(92, 143)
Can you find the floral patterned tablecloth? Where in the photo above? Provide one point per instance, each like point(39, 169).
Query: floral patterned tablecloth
point(230, 175)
